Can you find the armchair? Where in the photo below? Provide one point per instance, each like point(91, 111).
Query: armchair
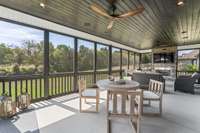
point(185, 84)
point(88, 93)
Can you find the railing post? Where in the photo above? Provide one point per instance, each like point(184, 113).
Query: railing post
point(75, 64)
point(46, 64)
point(199, 60)
point(95, 61)
point(121, 63)
point(152, 61)
point(134, 61)
point(110, 61)
point(176, 58)
point(128, 59)
point(140, 58)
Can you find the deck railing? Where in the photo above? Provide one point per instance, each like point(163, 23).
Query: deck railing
point(58, 84)
point(185, 73)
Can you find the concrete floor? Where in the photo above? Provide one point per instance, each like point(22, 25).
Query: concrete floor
point(181, 114)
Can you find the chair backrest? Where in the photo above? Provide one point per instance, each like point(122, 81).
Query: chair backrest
point(156, 86)
point(81, 84)
point(120, 106)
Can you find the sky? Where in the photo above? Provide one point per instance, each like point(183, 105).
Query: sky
point(180, 53)
point(14, 35)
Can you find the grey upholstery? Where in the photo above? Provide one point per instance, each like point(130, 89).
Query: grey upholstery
point(89, 93)
point(185, 84)
point(150, 95)
point(144, 77)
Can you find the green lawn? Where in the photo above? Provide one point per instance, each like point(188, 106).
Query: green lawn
point(38, 89)
point(55, 87)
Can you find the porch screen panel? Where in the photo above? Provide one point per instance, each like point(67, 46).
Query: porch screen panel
point(61, 53)
point(85, 55)
point(21, 60)
point(124, 59)
point(137, 60)
point(188, 61)
point(21, 49)
point(131, 61)
point(146, 61)
point(102, 57)
point(115, 59)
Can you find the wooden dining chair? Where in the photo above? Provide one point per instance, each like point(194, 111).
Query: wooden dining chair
point(120, 107)
point(154, 93)
point(88, 93)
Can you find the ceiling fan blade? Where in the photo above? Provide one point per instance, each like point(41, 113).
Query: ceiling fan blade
point(132, 12)
point(100, 10)
point(110, 25)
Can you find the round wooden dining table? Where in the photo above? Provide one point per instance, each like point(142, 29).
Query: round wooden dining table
point(106, 84)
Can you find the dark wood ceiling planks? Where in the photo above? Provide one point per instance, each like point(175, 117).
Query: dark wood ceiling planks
point(162, 22)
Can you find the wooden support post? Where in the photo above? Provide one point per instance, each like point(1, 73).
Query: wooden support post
point(140, 60)
point(75, 65)
point(46, 64)
point(128, 59)
point(110, 61)
point(121, 63)
point(134, 61)
point(95, 61)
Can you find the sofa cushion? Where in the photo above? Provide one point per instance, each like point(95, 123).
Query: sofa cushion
point(195, 75)
point(150, 95)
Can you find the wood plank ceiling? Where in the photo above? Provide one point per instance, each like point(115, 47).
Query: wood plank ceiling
point(162, 22)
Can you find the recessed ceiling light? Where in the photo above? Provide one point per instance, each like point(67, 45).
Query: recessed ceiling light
point(42, 5)
point(180, 2)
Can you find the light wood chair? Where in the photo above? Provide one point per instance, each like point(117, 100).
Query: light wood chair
point(120, 107)
point(88, 93)
point(154, 93)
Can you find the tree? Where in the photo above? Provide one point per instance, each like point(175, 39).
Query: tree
point(102, 58)
point(191, 67)
point(146, 58)
point(85, 58)
point(33, 52)
point(6, 54)
point(19, 55)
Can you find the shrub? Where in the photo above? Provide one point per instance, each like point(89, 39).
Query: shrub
point(191, 67)
point(27, 69)
point(16, 68)
point(40, 68)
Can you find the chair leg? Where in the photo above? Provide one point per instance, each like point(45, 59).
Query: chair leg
point(138, 126)
point(80, 104)
point(97, 104)
point(142, 105)
point(109, 126)
point(160, 107)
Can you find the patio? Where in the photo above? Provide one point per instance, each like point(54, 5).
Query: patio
point(131, 51)
point(180, 115)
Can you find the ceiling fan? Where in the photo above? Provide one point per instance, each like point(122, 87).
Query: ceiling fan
point(113, 16)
